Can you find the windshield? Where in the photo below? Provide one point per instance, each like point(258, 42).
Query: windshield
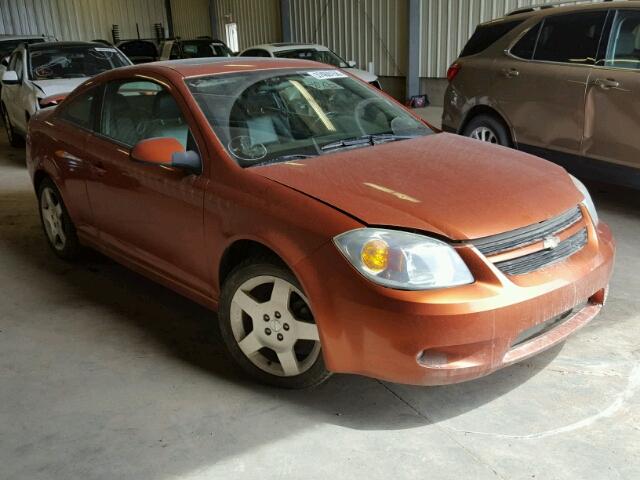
point(203, 49)
point(73, 62)
point(322, 56)
point(8, 46)
point(269, 116)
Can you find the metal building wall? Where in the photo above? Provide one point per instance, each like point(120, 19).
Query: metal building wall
point(81, 19)
point(448, 24)
point(191, 18)
point(361, 30)
point(258, 21)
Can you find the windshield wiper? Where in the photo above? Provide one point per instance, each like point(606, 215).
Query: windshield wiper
point(372, 139)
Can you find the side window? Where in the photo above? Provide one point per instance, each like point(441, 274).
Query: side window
point(136, 110)
point(256, 52)
point(175, 51)
point(525, 47)
point(624, 43)
point(487, 35)
point(80, 110)
point(570, 38)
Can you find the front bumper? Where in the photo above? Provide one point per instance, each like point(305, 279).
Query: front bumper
point(457, 334)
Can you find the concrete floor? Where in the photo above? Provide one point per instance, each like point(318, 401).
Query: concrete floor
point(104, 374)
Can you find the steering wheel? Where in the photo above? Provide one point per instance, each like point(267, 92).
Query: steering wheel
point(359, 109)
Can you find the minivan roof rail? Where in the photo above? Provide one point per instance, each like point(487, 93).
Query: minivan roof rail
point(543, 6)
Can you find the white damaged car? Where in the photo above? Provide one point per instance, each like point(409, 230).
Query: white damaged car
point(41, 75)
point(310, 51)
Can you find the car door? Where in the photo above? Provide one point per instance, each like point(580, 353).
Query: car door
point(151, 214)
point(540, 83)
point(612, 107)
point(74, 122)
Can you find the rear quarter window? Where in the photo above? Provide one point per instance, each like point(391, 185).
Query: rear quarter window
point(486, 35)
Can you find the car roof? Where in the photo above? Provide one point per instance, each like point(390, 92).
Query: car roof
point(281, 47)
point(7, 38)
point(45, 45)
point(194, 67)
point(545, 10)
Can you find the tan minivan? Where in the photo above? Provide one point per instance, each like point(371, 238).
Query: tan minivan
point(560, 82)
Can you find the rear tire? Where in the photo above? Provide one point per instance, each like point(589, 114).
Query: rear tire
point(268, 328)
point(15, 139)
point(487, 128)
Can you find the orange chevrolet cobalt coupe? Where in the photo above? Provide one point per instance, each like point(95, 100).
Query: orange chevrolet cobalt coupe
point(331, 229)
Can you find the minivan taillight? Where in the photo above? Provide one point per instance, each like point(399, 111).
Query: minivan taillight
point(453, 71)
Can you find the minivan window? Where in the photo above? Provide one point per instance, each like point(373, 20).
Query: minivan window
point(624, 42)
point(486, 35)
point(525, 47)
point(571, 38)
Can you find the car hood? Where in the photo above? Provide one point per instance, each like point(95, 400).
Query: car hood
point(362, 74)
point(446, 184)
point(54, 87)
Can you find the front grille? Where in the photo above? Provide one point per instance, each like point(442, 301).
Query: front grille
point(535, 261)
point(522, 237)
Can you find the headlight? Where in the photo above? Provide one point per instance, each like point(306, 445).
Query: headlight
point(587, 202)
point(403, 260)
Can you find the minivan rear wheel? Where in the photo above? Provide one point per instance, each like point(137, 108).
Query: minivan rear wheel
point(488, 129)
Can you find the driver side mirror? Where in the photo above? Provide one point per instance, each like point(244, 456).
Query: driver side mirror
point(352, 64)
point(10, 77)
point(168, 152)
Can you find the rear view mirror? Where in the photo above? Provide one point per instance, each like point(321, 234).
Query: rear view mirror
point(352, 64)
point(5, 62)
point(10, 78)
point(168, 152)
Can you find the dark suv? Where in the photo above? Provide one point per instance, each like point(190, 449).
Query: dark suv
point(560, 82)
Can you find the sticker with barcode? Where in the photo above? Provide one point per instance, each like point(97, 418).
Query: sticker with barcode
point(327, 74)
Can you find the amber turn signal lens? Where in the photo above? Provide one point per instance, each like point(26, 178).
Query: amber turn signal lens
point(375, 255)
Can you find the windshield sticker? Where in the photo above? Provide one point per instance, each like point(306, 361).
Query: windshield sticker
point(105, 49)
point(321, 84)
point(327, 74)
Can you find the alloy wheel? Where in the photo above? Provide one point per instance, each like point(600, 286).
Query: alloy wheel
point(273, 326)
point(53, 218)
point(484, 134)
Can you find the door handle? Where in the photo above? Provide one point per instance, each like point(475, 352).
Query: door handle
point(606, 83)
point(99, 168)
point(510, 72)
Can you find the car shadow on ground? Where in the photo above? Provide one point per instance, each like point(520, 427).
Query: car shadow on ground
point(184, 331)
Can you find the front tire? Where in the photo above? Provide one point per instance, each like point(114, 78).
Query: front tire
point(59, 230)
point(488, 129)
point(268, 328)
point(15, 140)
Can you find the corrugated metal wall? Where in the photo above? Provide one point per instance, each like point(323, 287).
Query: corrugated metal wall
point(258, 20)
point(81, 19)
point(448, 24)
point(191, 18)
point(361, 30)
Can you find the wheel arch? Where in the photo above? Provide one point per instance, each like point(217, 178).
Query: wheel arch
point(491, 111)
point(39, 176)
point(240, 250)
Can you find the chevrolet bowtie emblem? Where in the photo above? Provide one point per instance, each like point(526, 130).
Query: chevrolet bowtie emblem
point(550, 242)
